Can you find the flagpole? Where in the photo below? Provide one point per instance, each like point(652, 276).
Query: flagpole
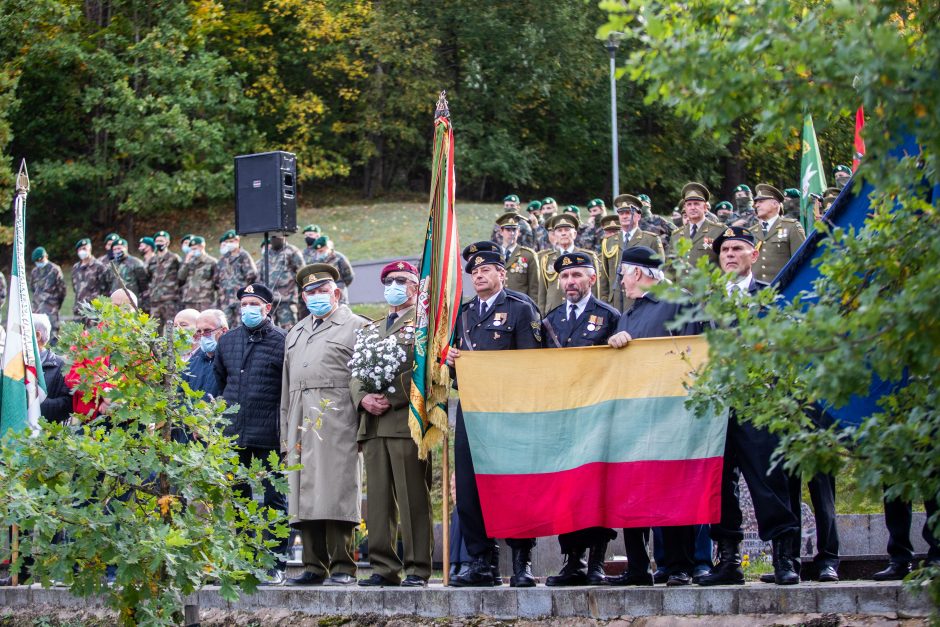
point(445, 509)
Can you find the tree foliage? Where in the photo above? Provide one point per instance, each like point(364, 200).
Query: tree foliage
point(870, 314)
point(126, 490)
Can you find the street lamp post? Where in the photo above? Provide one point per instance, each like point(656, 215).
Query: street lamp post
point(613, 42)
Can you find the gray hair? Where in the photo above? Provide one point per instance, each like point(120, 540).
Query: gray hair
point(218, 315)
point(654, 273)
point(43, 326)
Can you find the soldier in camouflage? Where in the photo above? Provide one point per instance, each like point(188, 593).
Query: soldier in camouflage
point(198, 276)
point(591, 233)
point(234, 270)
point(526, 236)
point(146, 247)
point(132, 270)
point(539, 232)
point(744, 207)
point(89, 278)
point(284, 260)
point(312, 233)
point(655, 223)
point(324, 253)
point(109, 240)
point(164, 269)
point(48, 287)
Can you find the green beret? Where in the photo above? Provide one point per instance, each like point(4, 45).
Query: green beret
point(82, 242)
point(724, 204)
point(186, 238)
point(742, 188)
point(312, 227)
point(572, 209)
point(320, 242)
point(842, 168)
point(511, 198)
point(196, 239)
point(38, 253)
point(121, 242)
point(535, 205)
point(111, 237)
point(792, 192)
point(161, 234)
point(229, 234)
point(548, 201)
point(597, 202)
point(148, 241)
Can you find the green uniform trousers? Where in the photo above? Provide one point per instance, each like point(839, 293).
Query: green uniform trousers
point(328, 547)
point(398, 480)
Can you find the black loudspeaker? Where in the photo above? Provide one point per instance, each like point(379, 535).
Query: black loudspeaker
point(265, 197)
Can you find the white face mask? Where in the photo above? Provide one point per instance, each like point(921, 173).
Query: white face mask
point(83, 254)
point(226, 248)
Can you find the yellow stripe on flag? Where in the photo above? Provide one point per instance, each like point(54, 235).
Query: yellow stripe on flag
point(563, 378)
point(15, 368)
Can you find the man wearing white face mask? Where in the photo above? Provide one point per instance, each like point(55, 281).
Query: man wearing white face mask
point(248, 362)
point(319, 423)
point(89, 278)
point(399, 482)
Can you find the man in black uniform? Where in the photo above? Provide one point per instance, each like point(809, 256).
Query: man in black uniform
point(496, 319)
point(748, 451)
point(581, 320)
point(648, 317)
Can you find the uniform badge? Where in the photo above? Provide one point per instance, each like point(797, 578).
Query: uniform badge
point(499, 318)
point(250, 289)
point(591, 326)
point(707, 242)
point(783, 233)
point(472, 249)
point(496, 335)
point(566, 261)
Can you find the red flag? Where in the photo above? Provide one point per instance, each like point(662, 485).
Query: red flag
point(859, 142)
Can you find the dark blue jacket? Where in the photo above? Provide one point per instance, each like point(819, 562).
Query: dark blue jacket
point(200, 374)
point(58, 404)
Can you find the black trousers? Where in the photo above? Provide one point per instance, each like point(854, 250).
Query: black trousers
point(898, 518)
point(479, 545)
point(678, 549)
point(822, 493)
point(272, 498)
point(583, 539)
point(748, 451)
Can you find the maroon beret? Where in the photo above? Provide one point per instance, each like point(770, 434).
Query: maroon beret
point(399, 266)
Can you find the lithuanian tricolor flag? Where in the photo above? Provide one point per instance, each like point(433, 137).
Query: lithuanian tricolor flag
point(565, 439)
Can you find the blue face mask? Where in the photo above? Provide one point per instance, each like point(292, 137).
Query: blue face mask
point(42, 264)
point(208, 344)
point(396, 294)
point(252, 316)
point(319, 304)
point(185, 249)
point(196, 253)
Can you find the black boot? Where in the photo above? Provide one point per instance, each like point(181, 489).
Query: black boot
point(494, 567)
point(728, 572)
point(595, 570)
point(786, 547)
point(477, 574)
point(522, 569)
point(572, 573)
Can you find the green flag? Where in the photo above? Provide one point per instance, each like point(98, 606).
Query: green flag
point(812, 177)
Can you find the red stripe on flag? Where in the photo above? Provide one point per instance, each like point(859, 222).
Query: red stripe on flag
point(628, 494)
point(859, 142)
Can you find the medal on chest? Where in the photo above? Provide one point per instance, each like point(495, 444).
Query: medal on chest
point(499, 318)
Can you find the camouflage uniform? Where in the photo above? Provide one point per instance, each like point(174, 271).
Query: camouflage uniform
point(89, 282)
point(134, 274)
point(198, 276)
point(164, 293)
point(346, 274)
point(658, 225)
point(234, 270)
point(283, 266)
point(310, 255)
point(48, 286)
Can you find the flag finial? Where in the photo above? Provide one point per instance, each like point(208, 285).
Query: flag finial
point(441, 111)
point(22, 179)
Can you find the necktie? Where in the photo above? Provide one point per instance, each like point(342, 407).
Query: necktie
point(572, 313)
point(317, 323)
point(693, 231)
point(764, 226)
point(391, 320)
point(483, 309)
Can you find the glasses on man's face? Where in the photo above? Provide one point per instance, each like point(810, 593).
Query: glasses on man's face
point(206, 332)
point(398, 279)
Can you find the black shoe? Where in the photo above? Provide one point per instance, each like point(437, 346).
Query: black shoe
point(494, 567)
point(521, 569)
point(595, 571)
point(728, 572)
point(700, 571)
point(631, 579)
point(660, 575)
point(6, 581)
point(679, 578)
point(306, 579)
point(827, 574)
point(478, 573)
point(572, 573)
point(894, 572)
point(275, 578)
point(376, 581)
point(339, 579)
point(768, 578)
point(414, 581)
point(785, 556)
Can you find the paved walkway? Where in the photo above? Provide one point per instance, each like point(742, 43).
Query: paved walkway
point(861, 598)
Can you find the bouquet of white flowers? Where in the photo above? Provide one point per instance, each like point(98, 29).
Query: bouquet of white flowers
point(375, 360)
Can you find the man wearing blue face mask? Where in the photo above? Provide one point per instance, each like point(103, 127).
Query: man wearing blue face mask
point(200, 372)
point(319, 423)
point(248, 362)
point(198, 276)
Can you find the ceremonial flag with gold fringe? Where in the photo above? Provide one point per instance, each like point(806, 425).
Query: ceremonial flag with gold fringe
point(812, 177)
point(23, 387)
point(438, 294)
point(607, 441)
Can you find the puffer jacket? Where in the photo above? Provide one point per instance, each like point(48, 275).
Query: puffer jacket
point(248, 364)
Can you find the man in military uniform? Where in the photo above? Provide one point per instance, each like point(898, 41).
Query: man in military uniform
point(234, 269)
point(48, 287)
point(549, 208)
point(90, 278)
point(185, 245)
point(539, 232)
point(522, 268)
point(164, 268)
point(526, 236)
point(325, 253)
point(842, 174)
point(132, 270)
point(563, 228)
point(829, 197)
point(749, 450)
point(109, 240)
point(284, 262)
point(698, 229)
point(582, 320)
point(724, 211)
point(791, 203)
point(610, 225)
point(146, 247)
point(495, 319)
point(591, 233)
point(655, 223)
point(630, 235)
point(312, 233)
point(778, 237)
point(399, 483)
point(744, 205)
point(198, 276)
